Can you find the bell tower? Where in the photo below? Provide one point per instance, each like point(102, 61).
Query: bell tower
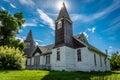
point(63, 29)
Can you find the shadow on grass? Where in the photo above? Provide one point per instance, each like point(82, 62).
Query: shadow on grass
point(56, 75)
point(4, 71)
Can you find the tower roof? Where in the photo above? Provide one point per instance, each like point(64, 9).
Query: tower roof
point(63, 13)
point(29, 36)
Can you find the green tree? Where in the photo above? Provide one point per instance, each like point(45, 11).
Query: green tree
point(11, 58)
point(115, 61)
point(9, 27)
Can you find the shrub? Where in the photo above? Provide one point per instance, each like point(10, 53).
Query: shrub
point(115, 61)
point(11, 58)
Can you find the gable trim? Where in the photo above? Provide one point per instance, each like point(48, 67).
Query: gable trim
point(37, 50)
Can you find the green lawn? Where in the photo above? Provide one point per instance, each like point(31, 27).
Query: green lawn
point(54, 75)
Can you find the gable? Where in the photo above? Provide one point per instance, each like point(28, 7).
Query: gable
point(77, 43)
point(36, 54)
point(37, 50)
point(82, 41)
point(83, 38)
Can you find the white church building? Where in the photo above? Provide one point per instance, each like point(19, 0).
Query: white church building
point(68, 53)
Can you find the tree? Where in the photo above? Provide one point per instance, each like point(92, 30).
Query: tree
point(11, 58)
point(9, 27)
point(115, 61)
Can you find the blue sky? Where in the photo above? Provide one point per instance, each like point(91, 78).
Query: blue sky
point(99, 20)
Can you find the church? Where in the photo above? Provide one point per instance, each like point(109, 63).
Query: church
point(68, 53)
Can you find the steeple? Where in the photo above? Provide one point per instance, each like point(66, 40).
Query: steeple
point(29, 36)
point(30, 44)
point(63, 29)
point(63, 13)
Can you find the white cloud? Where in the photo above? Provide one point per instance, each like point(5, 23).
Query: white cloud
point(41, 25)
point(89, 29)
point(13, 6)
point(20, 30)
point(36, 43)
point(46, 18)
point(85, 18)
point(20, 38)
point(29, 24)
point(3, 8)
point(38, 40)
point(92, 29)
point(110, 47)
point(43, 44)
point(27, 2)
point(6, 0)
point(115, 25)
point(85, 34)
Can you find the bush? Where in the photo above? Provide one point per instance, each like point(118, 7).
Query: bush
point(11, 58)
point(115, 61)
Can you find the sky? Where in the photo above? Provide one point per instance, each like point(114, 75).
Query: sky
point(99, 20)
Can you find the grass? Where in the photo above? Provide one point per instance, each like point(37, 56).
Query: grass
point(56, 75)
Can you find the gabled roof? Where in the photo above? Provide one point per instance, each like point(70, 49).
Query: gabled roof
point(80, 38)
point(46, 49)
point(43, 49)
point(63, 13)
point(29, 36)
point(28, 52)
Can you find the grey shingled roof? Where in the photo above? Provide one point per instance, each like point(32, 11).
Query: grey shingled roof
point(29, 36)
point(46, 49)
point(63, 13)
point(29, 52)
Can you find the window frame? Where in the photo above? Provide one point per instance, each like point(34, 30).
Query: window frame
point(47, 59)
point(95, 60)
point(100, 61)
point(79, 59)
point(58, 54)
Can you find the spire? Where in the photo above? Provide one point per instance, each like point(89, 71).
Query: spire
point(63, 12)
point(29, 36)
